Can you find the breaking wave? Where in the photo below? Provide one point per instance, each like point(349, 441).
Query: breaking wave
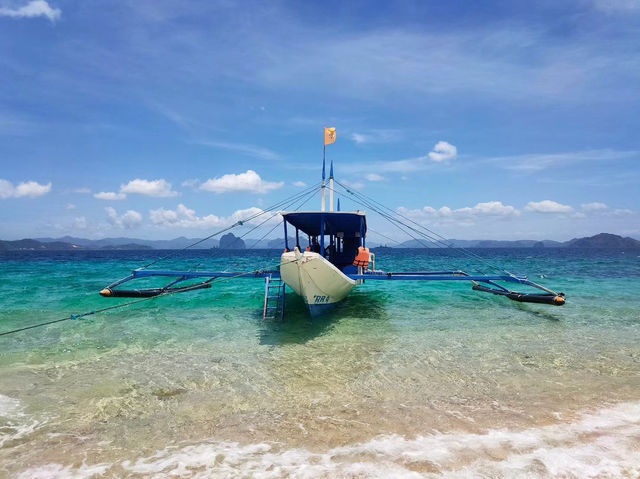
point(15, 424)
point(600, 444)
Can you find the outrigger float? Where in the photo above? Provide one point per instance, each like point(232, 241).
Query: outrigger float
point(336, 259)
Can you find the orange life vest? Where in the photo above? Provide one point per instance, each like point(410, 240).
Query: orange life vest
point(363, 258)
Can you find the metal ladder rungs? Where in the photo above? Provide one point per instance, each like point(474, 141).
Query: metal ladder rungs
point(273, 302)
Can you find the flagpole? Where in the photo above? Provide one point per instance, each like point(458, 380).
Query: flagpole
point(324, 155)
point(331, 187)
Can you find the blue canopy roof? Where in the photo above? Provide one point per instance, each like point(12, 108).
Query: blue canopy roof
point(334, 222)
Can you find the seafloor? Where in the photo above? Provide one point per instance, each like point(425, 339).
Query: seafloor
point(401, 380)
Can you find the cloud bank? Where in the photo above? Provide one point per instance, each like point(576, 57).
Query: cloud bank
point(128, 220)
point(109, 195)
point(443, 151)
point(35, 8)
point(156, 188)
point(29, 189)
point(185, 217)
point(548, 206)
point(490, 208)
point(248, 181)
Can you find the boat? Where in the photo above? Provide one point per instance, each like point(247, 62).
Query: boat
point(321, 277)
point(336, 259)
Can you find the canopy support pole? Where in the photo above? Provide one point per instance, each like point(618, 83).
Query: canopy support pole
point(322, 234)
point(286, 237)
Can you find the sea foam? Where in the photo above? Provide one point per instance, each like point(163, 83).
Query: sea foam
point(15, 424)
point(600, 444)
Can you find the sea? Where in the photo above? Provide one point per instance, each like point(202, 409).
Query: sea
point(402, 379)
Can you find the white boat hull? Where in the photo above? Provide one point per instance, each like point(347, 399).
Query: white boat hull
point(319, 282)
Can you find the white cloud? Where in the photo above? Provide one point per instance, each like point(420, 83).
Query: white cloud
point(15, 126)
point(80, 223)
point(356, 185)
point(395, 64)
point(622, 212)
point(547, 206)
point(536, 162)
point(250, 150)
point(192, 183)
point(489, 208)
point(109, 195)
point(184, 217)
point(299, 184)
point(158, 188)
point(30, 189)
point(70, 206)
point(128, 220)
point(618, 6)
point(443, 151)
point(249, 181)
point(35, 8)
point(594, 206)
point(359, 138)
point(376, 136)
point(374, 177)
point(395, 166)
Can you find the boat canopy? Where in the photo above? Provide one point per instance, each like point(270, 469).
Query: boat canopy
point(310, 222)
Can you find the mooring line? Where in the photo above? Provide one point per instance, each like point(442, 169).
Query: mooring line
point(129, 303)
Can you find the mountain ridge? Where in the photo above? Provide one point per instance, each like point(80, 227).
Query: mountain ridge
point(70, 243)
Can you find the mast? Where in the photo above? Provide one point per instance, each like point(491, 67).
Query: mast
point(329, 138)
point(331, 187)
point(324, 154)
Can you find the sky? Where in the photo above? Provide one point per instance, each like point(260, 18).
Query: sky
point(157, 119)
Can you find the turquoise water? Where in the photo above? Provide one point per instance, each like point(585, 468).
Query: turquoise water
point(403, 379)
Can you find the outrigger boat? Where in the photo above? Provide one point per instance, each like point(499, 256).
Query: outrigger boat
point(335, 260)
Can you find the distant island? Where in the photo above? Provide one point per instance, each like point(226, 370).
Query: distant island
point(230, 241)
point(601, 240)
point(128, 246)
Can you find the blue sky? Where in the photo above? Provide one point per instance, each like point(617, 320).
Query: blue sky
point(164, 118)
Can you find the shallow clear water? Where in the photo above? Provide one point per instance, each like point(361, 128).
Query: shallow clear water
point(402, 379)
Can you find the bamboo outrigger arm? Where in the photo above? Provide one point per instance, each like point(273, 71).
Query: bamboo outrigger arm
point(483, 283)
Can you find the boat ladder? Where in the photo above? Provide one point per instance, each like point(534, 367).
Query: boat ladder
point(273, 298)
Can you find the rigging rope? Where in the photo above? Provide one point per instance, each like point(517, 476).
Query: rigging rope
point(306, 195)
point(443, 241)
point(129, 303)
point(237, 223)
point(395, 222)
point(278, 224)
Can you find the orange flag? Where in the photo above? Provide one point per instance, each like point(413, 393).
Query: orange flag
point(329, 136)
